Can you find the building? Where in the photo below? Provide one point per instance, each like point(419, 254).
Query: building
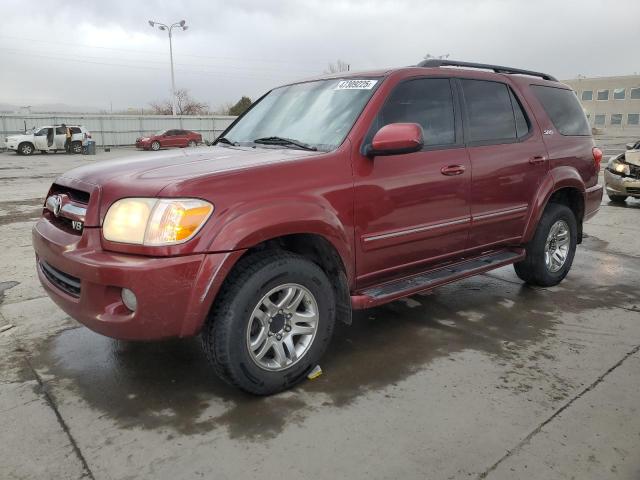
point(612, 104)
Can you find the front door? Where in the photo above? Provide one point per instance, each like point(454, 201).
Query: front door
point(44, 139)
point(508, 160)
point(410, 211)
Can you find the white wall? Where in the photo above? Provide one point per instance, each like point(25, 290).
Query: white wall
point(118, 129)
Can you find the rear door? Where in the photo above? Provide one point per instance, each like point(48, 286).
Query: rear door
point(60, 138)
point(508, 159)
point(408, 213)
point(181, 138)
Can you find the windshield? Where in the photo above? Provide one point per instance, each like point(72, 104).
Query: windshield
point(318, 114)
point(159, 133)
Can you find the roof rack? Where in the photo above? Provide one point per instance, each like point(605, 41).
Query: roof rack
point(496, 68)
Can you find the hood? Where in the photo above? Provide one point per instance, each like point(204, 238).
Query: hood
point(148, 175)
point(20, 136)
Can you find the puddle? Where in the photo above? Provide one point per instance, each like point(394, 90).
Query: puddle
point(169, 384)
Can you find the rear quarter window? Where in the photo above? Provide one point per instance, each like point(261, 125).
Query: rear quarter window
point(563, 109)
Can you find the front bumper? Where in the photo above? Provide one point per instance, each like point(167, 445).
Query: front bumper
point(11, 145)
point(174, 294)
point(619, 185)
point(145, 145)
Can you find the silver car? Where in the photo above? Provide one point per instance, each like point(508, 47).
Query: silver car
point(622, 175)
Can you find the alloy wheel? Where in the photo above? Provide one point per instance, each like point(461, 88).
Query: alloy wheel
point(282, 327)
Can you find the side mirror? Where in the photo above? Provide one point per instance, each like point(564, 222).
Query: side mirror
point(397, 138)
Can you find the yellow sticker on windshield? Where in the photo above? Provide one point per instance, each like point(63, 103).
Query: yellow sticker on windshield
point(356, 85)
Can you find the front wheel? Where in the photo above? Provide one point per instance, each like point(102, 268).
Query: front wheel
point(155, 146)
point(271, 322)
point(550, 253)
point(192, 143)
point(25, 148)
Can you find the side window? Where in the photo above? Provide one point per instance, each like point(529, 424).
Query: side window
point(564, 110)
point(491, 116)
point(61, 131)
point(75, 130)
point(522, 122)
point(170, 133)
point(426, 101)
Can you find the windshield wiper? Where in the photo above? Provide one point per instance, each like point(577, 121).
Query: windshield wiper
point(226, 141)
point(284, 141)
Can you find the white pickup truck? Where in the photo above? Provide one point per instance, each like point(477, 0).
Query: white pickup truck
point(47, 139)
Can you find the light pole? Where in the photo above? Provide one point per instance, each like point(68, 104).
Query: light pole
point(169, 28)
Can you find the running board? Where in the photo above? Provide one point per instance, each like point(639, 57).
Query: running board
point(421, 282)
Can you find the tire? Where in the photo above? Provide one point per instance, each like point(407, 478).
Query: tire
point(191, 144)
point(25, 148)
point(76, 147)
point(617, 198)
point(534, 269)
point(155, 145)
point(231, 325)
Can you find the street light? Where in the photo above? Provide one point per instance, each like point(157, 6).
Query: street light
point(181, 24)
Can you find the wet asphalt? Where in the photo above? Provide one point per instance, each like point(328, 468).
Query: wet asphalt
point(484, 378)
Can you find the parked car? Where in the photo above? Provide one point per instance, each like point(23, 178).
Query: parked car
point(339, 193)
point(169, 138)
point(50, 138)
point(622, 175)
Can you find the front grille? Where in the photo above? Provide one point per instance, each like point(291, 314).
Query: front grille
point(633, 190)
point(65, 282)
point(76, 195)
point(634, 171)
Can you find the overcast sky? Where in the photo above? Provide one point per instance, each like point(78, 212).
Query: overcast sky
point(103, 53)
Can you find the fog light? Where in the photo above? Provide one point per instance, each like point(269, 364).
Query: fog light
point(129, 299)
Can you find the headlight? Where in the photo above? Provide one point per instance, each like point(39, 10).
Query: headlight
point(616, 166)
point(152, 221)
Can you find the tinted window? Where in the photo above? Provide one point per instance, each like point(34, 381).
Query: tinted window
point(428, 102)
point(618, 94)
point(616, 119)
point(74, 129)
point(587, 95)
point(635, 93)
point(599, 119)
point(61, 131)
point(489, 109)
point(603, 94)
point(522, 123)
point(563, 109)
point(633, 119)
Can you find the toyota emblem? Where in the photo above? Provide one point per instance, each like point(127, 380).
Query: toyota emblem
point(57, 204)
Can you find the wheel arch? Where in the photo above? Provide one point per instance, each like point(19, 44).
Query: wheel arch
point(563, 185)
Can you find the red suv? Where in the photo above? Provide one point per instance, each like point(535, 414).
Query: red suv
point(169, 138)
point(339, 193)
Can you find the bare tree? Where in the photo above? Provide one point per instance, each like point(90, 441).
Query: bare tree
point(337, 67)
point(185, 105)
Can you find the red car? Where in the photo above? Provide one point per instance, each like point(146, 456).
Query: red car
point(169, 138)
point(327, 195)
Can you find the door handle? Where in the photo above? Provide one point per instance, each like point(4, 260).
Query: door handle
point(537, 159)
point(452, 170)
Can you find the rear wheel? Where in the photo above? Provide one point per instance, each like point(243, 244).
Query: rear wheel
point(76, 147)
point(617, 198)
point(271, 322)
point(155, 145)
point(550, 253)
